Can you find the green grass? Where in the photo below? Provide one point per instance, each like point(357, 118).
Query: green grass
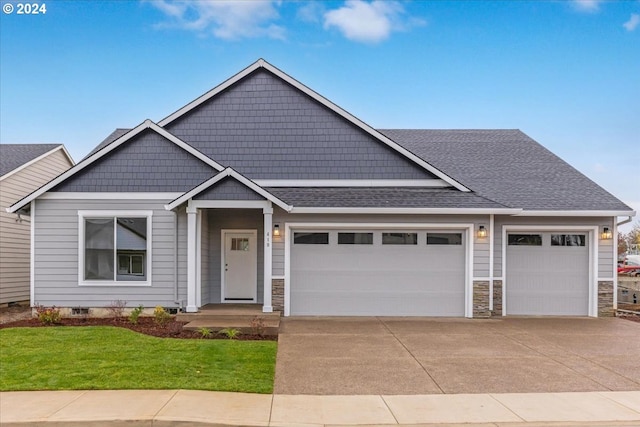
point(103, 357)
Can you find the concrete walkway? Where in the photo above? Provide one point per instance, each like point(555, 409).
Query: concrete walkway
point(397, 356)
point(188, 407)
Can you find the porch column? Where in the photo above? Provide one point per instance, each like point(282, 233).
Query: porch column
point(268, 244)
point(191, 259)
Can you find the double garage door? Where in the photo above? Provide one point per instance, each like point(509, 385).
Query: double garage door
point(378, 273)
point(547, 273)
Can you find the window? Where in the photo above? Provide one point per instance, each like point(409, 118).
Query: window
point(399, 238)
point(115, 248)
point(240, 244)
point(355, 238)
point(525, 240)
point(568, 240)
point(444, 238)
point(311, 238)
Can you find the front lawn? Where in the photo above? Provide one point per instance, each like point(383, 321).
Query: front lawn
point(104, 357)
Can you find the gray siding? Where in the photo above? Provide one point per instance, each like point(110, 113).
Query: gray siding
point(605, 247)
point(15, 236)
point(248, 219)
point(264, 128)
point(56, 257)
point(146, 163)
point(480, 246)
point(228, 189)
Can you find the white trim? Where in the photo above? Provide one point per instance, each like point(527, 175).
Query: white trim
point(575, 213)
point(199, 258)
point(228, 204)
point(108, 196)
point(592, 232)
point(491, 258)
point(614, 272)
point(441, 211)
point(37, 159)
point(438, 183)
point(32, 261)
point(223, 232)
point(228, 172)
point(467, 227)
point(273, 277)
point(147, 124)
point(261, 63)
point(115, 214)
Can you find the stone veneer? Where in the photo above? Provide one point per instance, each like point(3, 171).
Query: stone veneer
point(277, 294)
point(605, 298)
point(481, 299)
point(497, 298)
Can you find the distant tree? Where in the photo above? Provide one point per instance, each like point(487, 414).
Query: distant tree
point(633, 237)
point(622, 243)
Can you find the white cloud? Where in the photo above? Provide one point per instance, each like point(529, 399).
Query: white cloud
point(632, 23)
point(587, 5)
point(224, 19)
point(368, 22)
point(311, 12)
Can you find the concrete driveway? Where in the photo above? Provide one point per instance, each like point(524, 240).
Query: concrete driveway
point(425, 356)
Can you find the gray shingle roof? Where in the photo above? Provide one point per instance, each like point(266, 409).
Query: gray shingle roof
point(108, 140)
point(12, 156)
point(509, 167)
point(381, 197)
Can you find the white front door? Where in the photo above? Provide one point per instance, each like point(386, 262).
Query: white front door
point(239, 266)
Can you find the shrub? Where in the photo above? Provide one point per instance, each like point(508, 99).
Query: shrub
point(48, 315)
point(161, 316)
point(135, 314)
point(204, 332)
point(230, 333)
point(116, 308)
point(257, 325)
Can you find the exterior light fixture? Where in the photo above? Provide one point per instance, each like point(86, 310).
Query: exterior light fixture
point(482, 232)
point(276, 230)
point(606, 234)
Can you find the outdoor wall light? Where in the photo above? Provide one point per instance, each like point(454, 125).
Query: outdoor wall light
point(276, 230)
point(482, 232)
point(606, 234)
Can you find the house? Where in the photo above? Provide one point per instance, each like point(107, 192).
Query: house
point(262, 191)
point(23, 169)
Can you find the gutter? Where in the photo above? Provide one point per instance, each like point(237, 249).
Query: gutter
point(626, 221)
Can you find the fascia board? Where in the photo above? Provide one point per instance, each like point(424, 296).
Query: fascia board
point(435, 211)
point(577, 213)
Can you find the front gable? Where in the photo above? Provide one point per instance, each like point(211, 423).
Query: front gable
point(228, 189)
point(148, 162)
point(265, 128)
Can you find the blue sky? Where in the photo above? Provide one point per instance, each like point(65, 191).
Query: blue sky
point(567, 73)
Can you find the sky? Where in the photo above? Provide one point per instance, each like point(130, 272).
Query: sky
point(565, 72)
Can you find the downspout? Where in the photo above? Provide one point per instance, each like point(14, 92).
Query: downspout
point(491, 258)
point(626, 221)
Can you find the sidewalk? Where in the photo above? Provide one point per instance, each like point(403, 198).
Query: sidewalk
point(189, 407)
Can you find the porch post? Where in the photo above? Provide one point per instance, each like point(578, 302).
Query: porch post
point(268, 244)
point(191, 259)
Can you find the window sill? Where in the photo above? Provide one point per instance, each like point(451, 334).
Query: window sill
point(113, 284)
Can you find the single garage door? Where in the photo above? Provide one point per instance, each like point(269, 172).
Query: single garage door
point(378, 273)
point(547, 273)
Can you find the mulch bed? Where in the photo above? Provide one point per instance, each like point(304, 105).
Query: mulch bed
point(145, 325)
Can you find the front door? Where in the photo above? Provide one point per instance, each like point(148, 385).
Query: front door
point(239, 266)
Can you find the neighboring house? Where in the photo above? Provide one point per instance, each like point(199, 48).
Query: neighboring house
point(23, 169)
point(262, 191)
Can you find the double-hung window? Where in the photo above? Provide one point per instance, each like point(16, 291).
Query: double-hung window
point(115, 247)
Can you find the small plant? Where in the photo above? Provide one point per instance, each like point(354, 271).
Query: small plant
point(257, 325)
point(135, 314)
point(161, 316)
point(204, 332)
point(230, 333)
point(48, 315)
point(116, 309)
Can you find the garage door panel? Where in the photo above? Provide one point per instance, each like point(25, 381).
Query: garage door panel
point(547, 280)
point(369, 280)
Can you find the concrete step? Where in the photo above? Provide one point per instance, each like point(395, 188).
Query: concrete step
point(230, 313)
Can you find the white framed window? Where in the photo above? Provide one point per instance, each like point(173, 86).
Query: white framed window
point(114, 248)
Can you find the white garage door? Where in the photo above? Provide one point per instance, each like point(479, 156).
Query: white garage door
point(547, 273)
point(378, 273)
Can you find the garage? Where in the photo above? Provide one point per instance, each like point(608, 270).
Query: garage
point(378, 272)
point(547, 273)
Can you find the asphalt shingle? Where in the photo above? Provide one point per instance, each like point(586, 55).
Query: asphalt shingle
point(12, 156)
